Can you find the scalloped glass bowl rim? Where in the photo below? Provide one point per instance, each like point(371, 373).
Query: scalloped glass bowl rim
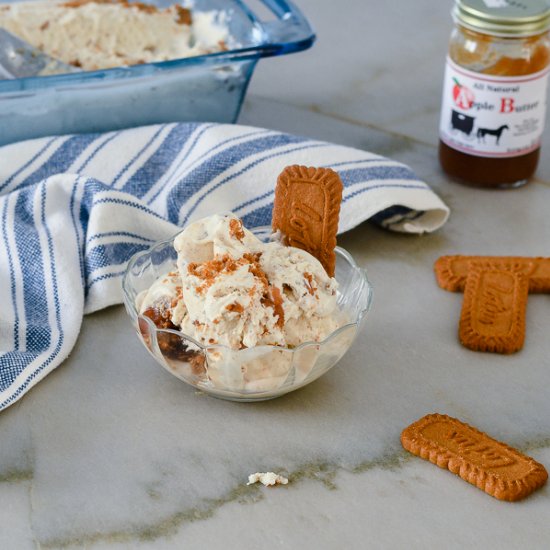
point(130, 297)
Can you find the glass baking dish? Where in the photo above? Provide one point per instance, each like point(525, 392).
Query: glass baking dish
point(203, 88)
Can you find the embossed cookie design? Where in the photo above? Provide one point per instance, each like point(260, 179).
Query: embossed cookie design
point(495, 297)
point(494, 467)
point(306, 210)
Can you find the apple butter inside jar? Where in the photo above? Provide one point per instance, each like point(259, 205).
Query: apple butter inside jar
point(494, 93)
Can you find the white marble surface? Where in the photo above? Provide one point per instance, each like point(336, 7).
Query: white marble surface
point(111, 452)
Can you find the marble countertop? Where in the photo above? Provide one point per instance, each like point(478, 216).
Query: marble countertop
point(111, 452)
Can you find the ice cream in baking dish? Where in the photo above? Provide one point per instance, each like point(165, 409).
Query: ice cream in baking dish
point(100, 34)
point(232, 290)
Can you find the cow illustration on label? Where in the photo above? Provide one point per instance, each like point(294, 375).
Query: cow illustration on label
point(497, 132)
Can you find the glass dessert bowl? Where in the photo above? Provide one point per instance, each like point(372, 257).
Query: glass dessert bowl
point(250, 374)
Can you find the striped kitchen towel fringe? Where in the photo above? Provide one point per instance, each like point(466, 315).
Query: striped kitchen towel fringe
point(74, 209)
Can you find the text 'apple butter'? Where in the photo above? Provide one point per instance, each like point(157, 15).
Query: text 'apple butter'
point(494, 91)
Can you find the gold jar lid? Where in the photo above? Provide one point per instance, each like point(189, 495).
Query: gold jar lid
point(507, 18)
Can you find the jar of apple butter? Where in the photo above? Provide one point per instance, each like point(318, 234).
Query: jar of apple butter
point(494, 93)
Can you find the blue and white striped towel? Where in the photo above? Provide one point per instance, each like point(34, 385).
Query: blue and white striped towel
point(73, 209)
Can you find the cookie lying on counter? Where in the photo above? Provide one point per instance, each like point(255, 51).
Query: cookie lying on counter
point(495, 297)
point(494, 467)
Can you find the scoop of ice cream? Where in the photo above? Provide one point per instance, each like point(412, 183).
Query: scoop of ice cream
point(212, 237)
point(232, 289)
point(242, 293)
point(161, 294)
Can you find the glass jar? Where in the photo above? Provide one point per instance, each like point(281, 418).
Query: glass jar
point(494, 94)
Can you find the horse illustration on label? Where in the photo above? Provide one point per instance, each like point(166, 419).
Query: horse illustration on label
point(497, 132)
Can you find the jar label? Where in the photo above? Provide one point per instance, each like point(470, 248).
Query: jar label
point(492, 116)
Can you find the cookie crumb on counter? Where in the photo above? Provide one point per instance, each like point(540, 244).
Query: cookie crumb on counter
point(267, 478)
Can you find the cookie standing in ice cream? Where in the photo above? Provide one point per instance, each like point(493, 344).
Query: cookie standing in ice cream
point(100, 34)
